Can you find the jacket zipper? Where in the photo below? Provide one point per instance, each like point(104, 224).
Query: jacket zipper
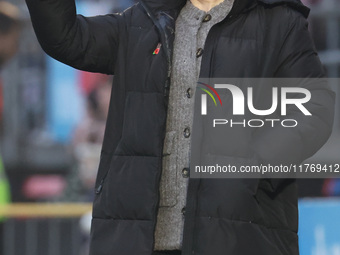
point(167, 81)
point(100, 186)
point(101, 183)
point(163, 42)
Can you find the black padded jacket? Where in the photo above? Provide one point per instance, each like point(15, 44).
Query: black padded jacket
point(264, 38)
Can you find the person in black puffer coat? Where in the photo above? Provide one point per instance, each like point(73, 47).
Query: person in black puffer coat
point(264, 38)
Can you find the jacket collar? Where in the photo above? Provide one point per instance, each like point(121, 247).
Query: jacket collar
point(240, 6)
point(295, 4)
point(164, 5)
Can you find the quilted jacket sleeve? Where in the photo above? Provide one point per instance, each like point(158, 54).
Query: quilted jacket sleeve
point(86, 43)
point(298, 59)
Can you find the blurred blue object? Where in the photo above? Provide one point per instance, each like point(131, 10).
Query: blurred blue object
point(319, 226)
point(65, 102)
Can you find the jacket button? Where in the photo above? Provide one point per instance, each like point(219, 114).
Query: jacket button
point(185, 172)
point(183, 210)
point(199, 52)
point(186, 132)
point(188, 93)
point(207, 18)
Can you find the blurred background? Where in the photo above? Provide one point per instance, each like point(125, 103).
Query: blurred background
point(52, 120)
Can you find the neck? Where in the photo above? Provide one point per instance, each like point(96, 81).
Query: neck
point(206, 5)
